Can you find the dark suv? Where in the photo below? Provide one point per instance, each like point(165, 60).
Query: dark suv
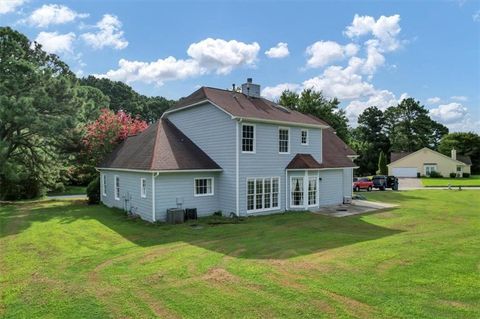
point(382, 182)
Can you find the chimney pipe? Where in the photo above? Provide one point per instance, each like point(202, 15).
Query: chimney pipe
point(454, 154)
point(233, 87)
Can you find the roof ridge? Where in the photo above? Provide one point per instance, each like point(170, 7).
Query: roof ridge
point(155, 144)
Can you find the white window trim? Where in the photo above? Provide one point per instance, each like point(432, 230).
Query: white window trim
point(301, 139)
point(115, 187)
point(253, 211)
point(278, 139)
point(195, 187)
point(104, 185)
point(254, 138)
point(429, 165)
point(143, 190)
point(291, 193)
point(316, 190)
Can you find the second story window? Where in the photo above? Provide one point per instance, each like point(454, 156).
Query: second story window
point(248, 138)
point(283, 140)
point(304, 137)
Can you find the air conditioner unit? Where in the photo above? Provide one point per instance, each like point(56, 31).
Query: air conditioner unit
point(347, 199)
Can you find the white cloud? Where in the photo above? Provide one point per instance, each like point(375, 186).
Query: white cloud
point(459, 98)
point(322, 53)
point(53, 42)
point(279, 51)
point(49, 14)
point(379, 98)
point(7, 6)
point(222, 56)
point(434, 100)
point(206, 56)
point(109, 34)
point(449, 113)
point(476, 16)
point(274, 92)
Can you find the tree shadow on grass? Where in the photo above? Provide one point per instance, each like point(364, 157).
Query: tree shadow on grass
point(278, 236)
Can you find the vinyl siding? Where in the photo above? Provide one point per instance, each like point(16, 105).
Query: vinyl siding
point(214, 132)
point(129, 188)
point(267, 162)
point(348, 182)
point(169, 187)
point(331, 187)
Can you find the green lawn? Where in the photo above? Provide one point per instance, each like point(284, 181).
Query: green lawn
point(71, 190)
point(64, 259)
point(471, 181)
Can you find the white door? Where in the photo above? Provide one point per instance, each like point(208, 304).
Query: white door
point(404, 171)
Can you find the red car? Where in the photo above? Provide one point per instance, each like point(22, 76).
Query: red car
point(362, 183)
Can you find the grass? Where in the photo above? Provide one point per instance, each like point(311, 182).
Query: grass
point(70, 190)
point(471, 181)
point(64, 259)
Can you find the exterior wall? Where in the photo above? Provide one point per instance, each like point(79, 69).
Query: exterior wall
point(348, 182)
point(214, 132)
point(172, 186)
point(445, 165)
point(129, 189)
point(267, 162)
point(332, 187)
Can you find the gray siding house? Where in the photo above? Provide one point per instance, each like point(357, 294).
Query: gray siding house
point(238, 153)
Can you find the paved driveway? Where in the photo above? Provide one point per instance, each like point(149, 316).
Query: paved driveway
point(409, 183)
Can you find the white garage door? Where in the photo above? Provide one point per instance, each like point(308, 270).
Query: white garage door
point(404, 171)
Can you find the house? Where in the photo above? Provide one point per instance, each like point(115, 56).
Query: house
point(238, 153)
point(425, 160)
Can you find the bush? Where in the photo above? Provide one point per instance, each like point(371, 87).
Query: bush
point(453, 175)
point(93, 191)
point(59, 188)
point(466, 175)
point(435, 174)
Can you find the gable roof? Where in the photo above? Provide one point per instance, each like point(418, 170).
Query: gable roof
point(161, 147)
point(242, 106)
point(335, 154)
point(395, 156)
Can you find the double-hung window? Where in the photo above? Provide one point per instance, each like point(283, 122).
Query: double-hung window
point(117, 187)
point(104, 184)
point(262, 193)
point(143, 187)
point(283, 140)
point(312, 191)
point(304, 136)
point(248, 138)
point(203, 186)
point(296, 191)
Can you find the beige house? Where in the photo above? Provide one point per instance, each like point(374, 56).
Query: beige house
point(425, 160)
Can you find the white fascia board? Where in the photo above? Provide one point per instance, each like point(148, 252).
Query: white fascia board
point(159, 171)
point(254, 119)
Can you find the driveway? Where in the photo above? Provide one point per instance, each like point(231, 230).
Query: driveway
point(409, 183)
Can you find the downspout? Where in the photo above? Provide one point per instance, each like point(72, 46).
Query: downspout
point(305, 190)
point(286, 190)
point(153, 195)
point(237, 169)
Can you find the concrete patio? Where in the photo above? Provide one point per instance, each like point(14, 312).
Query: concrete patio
point(355, 208)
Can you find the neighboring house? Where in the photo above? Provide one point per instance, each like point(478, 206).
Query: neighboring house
point(425, 160)
point(238, 153)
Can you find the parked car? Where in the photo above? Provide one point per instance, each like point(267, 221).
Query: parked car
point(362, 183)
point(383, 182)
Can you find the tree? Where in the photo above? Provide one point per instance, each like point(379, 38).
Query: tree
point(314, 103)
point(107, 131)
point(410, 128)
point(382, 164)
point(37, 108)
point(466, 143)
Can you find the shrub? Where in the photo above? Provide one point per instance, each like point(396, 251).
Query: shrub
point(466, 175)
point(435, 174)
point(453, 175)
point(93, 191)
point(418, 175)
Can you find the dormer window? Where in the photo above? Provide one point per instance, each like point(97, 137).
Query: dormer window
point(248, 138)
point(304, 137)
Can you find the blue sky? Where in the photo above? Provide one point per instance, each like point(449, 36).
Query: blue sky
point(365, 53)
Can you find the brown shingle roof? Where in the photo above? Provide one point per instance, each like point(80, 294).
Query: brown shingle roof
point(240, 105)
point(162, 146)
point(464, 159)
point(335, 153)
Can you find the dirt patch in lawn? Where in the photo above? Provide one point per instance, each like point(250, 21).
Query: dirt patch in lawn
point(156, 306)
point(354, 307)
point(220, 275)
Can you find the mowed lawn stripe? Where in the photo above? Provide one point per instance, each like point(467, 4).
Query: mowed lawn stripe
point(68, 259)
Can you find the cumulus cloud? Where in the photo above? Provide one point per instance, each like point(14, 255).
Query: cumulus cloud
point(449, 113)
point(54, 42)
point(322, 53)
point(434, 100)
point(279, 51)
point(7, 6)
point(379, 98)
point(206, 56)
point(476, 16)
point(274, 92)
point(109, 34)
point(460, 98)
point(50, 14)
